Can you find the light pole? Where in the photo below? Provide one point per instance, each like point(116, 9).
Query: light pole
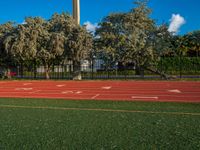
point(76, 11)
point(76, 63)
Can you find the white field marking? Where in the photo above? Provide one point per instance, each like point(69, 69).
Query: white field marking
point(67, 92)
point(144, 97)
point(27, 83)
point(79, 92)
point(62, 85)
point(174, 91)
point(35, 92)
point(100, 110)
point(95, 96)
point(106, 87)
point(72, 92)
point(23, 89)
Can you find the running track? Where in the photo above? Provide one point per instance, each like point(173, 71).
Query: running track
point(103, 90)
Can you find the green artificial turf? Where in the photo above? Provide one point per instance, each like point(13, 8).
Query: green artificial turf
point(51, 124)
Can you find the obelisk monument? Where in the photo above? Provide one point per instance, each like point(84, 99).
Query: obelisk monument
point(76, 11)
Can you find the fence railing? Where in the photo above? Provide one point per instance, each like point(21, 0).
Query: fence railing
point(181, 67)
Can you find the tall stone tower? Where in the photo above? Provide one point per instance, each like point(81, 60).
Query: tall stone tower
point(76, 11)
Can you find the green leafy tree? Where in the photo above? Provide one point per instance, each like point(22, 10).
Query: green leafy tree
point(77, 41)
point(163, 46)
point(22, 44)
point(139, 27)
point(111, 40)
point(125, 37)
point(78, 48)
point(191, 43)
point(162, 40)
point(5, 58)
point(133, 38)
point(50, 47)
point(33, 41)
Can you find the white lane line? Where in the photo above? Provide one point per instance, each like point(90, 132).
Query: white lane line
point(95, 96)
point(67, 92)
point(35, 92)
point(174, 91)
point(79, 92)
point(71, 92)
point(144, 97)
point(106, 87)
point(27, 83)
point(23, 89)
point(62, 85)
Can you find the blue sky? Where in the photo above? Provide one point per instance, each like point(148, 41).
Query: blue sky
point(94, 10)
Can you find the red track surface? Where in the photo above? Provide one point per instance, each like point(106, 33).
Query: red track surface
point(104, 90)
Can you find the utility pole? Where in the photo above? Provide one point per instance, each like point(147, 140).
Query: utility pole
point(76, 11)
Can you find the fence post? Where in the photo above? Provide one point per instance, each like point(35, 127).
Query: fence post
point(22, 70)
point(18, 72)
point(180, 65)
point(35, 70)
point(71, 69)
point(108, 77)
point(92, 68)
point(116, 69)
point(62, 66)
point(161, 66)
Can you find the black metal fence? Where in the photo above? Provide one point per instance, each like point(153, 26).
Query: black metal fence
point(180, 67)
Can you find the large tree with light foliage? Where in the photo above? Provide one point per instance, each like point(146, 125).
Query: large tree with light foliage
point(77, 41)
point(133, 38)
point(6, 58)
point(125, 37)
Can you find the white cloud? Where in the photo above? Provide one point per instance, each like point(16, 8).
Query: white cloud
point(176, 22)
point(24, 22)
point(91, 27)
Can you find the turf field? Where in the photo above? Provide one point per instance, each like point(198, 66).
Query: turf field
point(59, 124)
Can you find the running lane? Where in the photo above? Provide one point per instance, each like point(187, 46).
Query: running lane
point(171, 91)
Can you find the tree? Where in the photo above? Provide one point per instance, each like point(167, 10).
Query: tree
point(139, 27)
point(47, 42)
point(162, 44)
point(78, 48)
point(5, 30)
point(134, 38)
point(5, 58)
point(22, 44)
point(191, 43)
point(50, 46)
point(33, 41)
point(77, 41)
point(125, 37)
point(161, 40)
point(111, 40)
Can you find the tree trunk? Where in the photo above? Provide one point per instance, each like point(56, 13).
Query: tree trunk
point(77, 70)
point(7, 73)
point(163, 75)
point(46, 69)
